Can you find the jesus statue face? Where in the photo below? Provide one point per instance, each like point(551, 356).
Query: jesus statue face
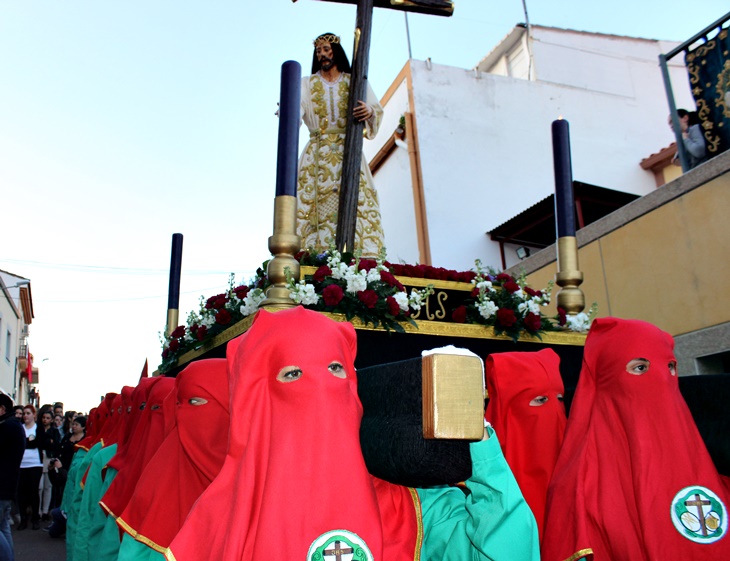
point(325, 56)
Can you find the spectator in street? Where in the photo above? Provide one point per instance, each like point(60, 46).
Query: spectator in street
point(12, 444)
point(31, 470)
point(58, 423)
point(68, 418)
point(18, 412)
point(50, 445)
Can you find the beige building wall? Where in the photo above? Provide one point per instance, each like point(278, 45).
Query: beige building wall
point(664, 258)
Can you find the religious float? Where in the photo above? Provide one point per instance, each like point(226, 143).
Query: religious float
point(398, 311)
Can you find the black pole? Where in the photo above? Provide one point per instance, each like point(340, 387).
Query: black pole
point(350, 182)
point(564, 200)
point(289, 117)
point(173, 293)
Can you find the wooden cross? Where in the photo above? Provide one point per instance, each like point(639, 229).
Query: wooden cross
point(699, 503)
point(337, 552)
point(350, 182)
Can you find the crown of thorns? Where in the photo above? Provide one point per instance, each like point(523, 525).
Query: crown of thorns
point(327, 38)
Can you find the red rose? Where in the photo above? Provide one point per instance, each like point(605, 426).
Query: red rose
point(179, 332)
point(217, 302)
point(201, 332)
point(562, 317)
point(174, 345)
point(459, 314)
point(511, 286)
point(223, 317)
point(503, 277)
point(332, 295)
point(393, 306)
point(165, 353)
point(241, 291)
point(301, 254)
point(323, 272)
point(506, 317)
point(474, 292)
point(366, 264)
point(529, 291)
point(368, 297)
point(390, 280)
point(532, 322)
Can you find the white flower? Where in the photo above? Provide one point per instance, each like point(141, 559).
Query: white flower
point(303, 293)
point(340, 271)
point(356, 282)
point(579, 322)
point(529, 306)
point(373, 275)
point(415, 300)
point(402, 298)
point(208, 320)
point(252, 301)
point(485, 285)
point(487, 309)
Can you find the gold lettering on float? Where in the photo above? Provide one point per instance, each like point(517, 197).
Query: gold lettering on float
point(441, 297)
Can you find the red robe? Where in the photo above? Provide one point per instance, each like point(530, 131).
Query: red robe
point(634, 480)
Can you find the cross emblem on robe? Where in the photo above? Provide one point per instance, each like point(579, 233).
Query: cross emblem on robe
point(699, 503)
point(338, 551)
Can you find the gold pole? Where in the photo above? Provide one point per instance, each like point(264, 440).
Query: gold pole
point(173, 316)
point(569, 277)
point(283, 245)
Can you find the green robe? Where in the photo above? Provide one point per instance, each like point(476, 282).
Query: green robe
point(74, 491)
point(132, 550)
point(109, 538)
point(91, 517)
point(491, 521)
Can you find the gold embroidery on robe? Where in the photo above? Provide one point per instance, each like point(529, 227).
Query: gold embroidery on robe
point(324, 111)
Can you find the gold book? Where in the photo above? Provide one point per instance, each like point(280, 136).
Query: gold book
point(453, 397)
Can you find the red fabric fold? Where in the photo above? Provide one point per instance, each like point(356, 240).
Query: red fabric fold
point(147, 437)
point(187, 461)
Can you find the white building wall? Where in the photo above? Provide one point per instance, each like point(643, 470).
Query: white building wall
point(486, 147)
point(9, 321)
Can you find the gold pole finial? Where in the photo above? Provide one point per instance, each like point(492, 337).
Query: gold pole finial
point(569, 277)
point(283, 245)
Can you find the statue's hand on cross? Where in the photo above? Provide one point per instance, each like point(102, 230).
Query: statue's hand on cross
point(362, 111)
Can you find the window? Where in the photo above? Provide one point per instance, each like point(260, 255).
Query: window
point(7, 345)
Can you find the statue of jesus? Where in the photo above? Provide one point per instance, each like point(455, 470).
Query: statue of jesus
point(325, 96)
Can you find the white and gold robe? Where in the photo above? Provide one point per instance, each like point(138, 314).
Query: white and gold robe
point(324, 111)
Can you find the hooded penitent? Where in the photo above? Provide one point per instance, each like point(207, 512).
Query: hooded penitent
point(527, 412)
point(133, 414)
point(633, 480)
point(294, 483)
point(148, 435)
point(187, 461)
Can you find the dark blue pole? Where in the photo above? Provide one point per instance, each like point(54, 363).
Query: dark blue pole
point(564, 200)
point(173, 293)
point(289, 118)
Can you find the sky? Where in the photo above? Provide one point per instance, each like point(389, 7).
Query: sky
point(122, 123)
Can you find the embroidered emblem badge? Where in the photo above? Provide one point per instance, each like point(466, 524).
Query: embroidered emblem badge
point(339, 545)
point(699, 515)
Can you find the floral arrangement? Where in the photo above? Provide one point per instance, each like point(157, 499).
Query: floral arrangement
point(369, 290)
point(505, 303)
point(362, 288)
